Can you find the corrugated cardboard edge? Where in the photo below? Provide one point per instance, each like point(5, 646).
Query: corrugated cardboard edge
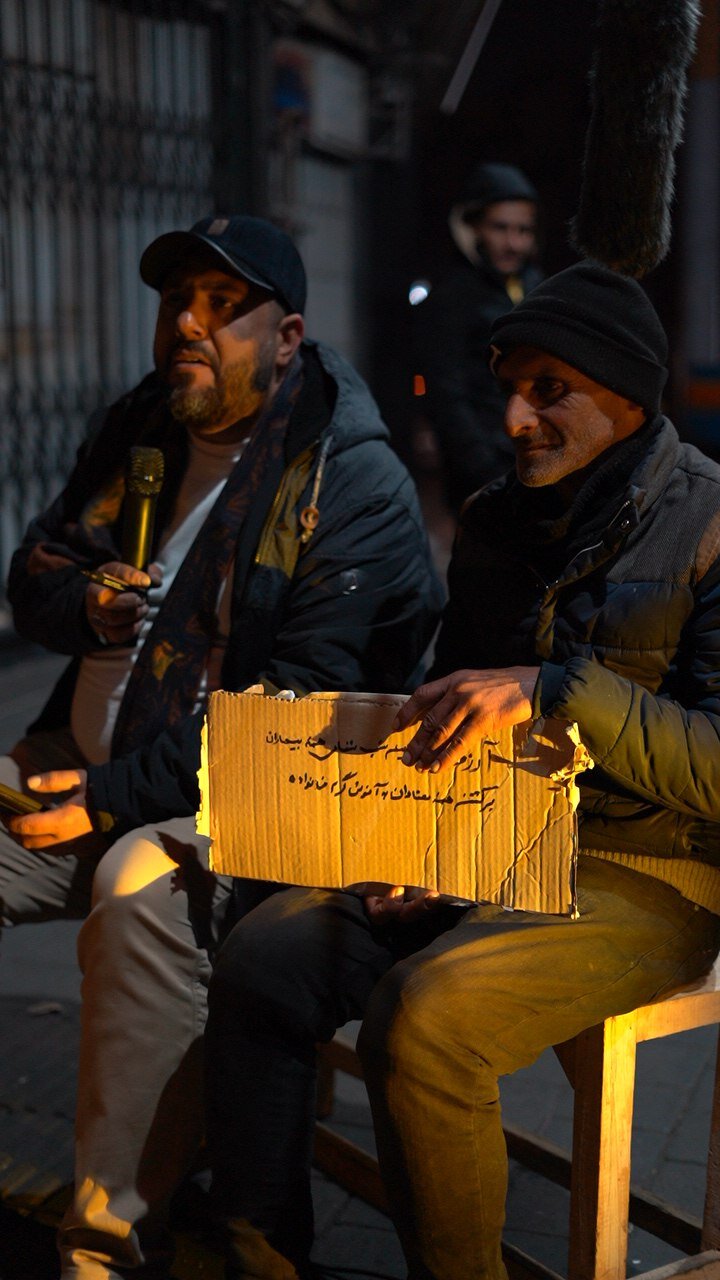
point(202, 817)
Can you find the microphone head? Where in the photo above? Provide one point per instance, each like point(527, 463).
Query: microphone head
point(145, 471)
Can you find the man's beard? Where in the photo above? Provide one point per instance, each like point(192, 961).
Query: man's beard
point(238, 393)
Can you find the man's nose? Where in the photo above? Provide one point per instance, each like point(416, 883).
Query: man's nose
point(517, 241)
point(190, 323)
point(519, 415)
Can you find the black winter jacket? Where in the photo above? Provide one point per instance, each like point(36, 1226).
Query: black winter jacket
point(463, 399)
point(353, 608)
point(628, 638)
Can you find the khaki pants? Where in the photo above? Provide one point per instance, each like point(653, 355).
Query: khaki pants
point(449, 1004)
point(154, 914)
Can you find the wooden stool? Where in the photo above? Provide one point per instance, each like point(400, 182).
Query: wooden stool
point(600, 1065)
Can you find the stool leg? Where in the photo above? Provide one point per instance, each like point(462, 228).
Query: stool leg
point(602, 1134)
point(711, 1215)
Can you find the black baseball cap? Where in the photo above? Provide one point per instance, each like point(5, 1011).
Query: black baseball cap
point(253, 248)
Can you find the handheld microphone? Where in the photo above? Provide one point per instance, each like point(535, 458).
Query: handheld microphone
point(143, 478)
point(13, 801)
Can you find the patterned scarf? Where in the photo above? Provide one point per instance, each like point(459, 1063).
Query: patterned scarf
point(164, 683)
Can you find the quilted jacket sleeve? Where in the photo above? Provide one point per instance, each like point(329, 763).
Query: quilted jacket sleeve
point(659, 748)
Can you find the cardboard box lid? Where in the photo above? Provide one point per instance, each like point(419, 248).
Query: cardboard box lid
point(312, 792)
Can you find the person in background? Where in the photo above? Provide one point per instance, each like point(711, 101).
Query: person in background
point(494, 228)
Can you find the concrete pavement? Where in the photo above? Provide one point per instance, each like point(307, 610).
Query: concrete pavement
point(39, 1020)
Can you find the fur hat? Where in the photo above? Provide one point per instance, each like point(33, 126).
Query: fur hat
point(638, 87)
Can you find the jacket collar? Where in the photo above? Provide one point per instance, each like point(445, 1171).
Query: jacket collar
point(498, 510)
point(650, 477)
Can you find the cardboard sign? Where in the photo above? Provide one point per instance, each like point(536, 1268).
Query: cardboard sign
point(312, 792)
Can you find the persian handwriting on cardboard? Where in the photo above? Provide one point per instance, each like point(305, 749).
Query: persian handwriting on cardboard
point(313, 792)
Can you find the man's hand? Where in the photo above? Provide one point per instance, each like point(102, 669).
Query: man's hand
point(117, 616)
point(41, 560)
point(460, 709)
point(400, 904)
point(69, 821)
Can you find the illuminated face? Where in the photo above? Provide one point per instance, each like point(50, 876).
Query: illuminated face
point(506, 233)
point(558, 419)
point(216, 341)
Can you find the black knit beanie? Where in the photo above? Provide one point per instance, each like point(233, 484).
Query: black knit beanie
point(494, 183)
point(596, 320)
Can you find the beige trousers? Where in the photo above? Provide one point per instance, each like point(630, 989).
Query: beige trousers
point(154, 914)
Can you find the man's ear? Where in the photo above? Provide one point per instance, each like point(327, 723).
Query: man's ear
point(290, 332)
point(632, 418)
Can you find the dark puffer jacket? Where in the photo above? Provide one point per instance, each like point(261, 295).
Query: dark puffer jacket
point(628, 637)
point(352, 608)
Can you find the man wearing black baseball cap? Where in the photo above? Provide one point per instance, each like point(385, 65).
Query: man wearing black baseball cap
point(253, 248)
point(585, 587)
point(289, 549)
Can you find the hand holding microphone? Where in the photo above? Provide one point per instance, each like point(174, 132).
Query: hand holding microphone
point(116, 611)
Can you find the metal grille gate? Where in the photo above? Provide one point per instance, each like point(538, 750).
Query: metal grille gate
point(105, 117)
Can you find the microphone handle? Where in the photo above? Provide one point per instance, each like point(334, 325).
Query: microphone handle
point(137, 530)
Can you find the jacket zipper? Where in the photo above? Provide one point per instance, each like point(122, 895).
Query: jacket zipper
point(547, 607)
point(551, 586)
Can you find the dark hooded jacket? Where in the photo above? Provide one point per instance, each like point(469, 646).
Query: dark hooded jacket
point(463, 400)
point(619, 603)
point(352, 608)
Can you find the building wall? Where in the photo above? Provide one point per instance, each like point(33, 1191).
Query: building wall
point(320, 117)
point(107, 143)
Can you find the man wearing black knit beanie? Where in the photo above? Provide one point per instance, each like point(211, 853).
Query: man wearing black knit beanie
point(585, 586)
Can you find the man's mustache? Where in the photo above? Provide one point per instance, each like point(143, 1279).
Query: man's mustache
point(193, 351)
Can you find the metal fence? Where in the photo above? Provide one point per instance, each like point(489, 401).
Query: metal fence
point(106, 141)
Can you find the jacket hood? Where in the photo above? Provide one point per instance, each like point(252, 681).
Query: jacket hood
point(356, 416)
